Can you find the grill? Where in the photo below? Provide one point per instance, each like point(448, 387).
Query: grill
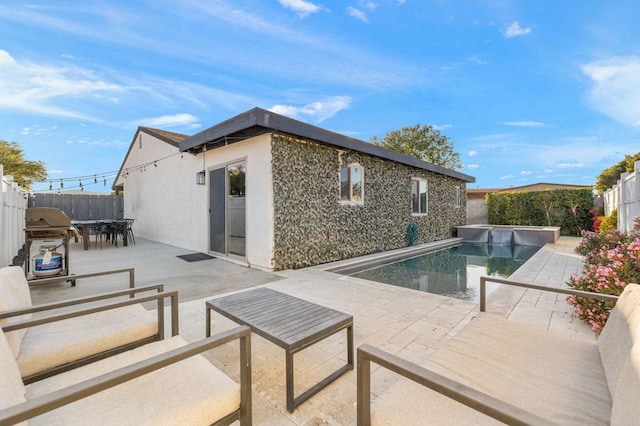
point(46, 223)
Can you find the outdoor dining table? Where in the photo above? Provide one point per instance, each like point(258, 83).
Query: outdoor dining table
point(84, 226)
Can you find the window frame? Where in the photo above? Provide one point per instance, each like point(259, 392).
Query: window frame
point(457, 201)
point(426, 198)
point(350, 201)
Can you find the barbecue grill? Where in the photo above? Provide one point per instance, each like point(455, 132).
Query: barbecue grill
point(47, 223)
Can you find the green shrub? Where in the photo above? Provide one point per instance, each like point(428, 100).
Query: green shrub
point(609, 223)
point(568, 208)
point(611, 261)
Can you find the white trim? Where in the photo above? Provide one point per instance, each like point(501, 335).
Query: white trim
point(457, 201)
point(350, 202)
point(426, 201)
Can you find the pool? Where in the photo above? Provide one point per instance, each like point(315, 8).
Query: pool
point(453, 272)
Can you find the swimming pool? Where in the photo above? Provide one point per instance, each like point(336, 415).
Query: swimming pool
point(453, 272)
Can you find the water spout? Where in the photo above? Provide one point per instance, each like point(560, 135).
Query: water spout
point(501, 236)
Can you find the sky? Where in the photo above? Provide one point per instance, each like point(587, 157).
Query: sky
point(527, 91)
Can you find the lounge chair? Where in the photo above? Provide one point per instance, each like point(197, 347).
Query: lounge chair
point(59, 341)
point(495, 370)
point(164, 382)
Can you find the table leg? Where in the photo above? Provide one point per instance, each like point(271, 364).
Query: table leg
point(350, 346)
point(292, 401)
point(208, 324)
point(85, 237)
point(289, 373)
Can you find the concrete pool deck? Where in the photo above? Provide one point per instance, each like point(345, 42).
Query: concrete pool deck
point(405, 322)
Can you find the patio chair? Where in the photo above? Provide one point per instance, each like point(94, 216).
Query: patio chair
point(62, 340)
point(74, 277)
point(164, 382)
point(130, 230)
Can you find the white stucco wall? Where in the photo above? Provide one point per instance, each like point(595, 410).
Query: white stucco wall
point(169, 207)
point(259, 196)
point(164, 200)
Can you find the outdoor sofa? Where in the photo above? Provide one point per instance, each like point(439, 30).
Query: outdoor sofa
point(496, 370)
point(82, 369)
point(67, 334)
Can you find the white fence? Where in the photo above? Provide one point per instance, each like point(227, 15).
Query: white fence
point(14, 204)
point(625, 197)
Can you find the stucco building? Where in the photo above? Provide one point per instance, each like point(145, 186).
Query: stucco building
point(277, 193)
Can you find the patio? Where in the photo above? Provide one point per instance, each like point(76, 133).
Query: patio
point(405, 322)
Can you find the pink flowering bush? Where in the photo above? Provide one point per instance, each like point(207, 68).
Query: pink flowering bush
point(611, 261)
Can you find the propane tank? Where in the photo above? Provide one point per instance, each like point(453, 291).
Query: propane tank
point(47, 263)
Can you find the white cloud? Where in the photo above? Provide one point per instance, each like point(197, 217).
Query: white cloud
point(616, 88)
point(316, 111)
point(472, 153)
point(358, 14)
point(37, 88)
point(170, 121)
point(569, 165)
point(526, 173)
point(368, 4)
point(303, 8)
point(441, 127)
point(472, 166)
point(507, 177)
point(523, 123)
point(514, 30)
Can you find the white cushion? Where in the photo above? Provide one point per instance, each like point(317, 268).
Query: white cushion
point(14, 294)
point(554, 377)
point(620, 334)
point(190, 392)
point(410, 404)
point(58, 343)
point(12, 390)
point(626, 410)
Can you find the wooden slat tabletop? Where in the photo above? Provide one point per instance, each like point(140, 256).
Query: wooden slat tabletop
point(285, 320)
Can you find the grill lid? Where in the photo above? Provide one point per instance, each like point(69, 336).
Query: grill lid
point(45, 218)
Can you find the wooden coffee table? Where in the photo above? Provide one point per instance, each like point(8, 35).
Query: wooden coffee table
point(291, 323)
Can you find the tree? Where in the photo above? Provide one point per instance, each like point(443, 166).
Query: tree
point(24, 172)
point(609, 176)
point(423, 142)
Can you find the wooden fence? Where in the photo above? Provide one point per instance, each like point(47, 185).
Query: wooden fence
point(624, 196)
point(82, 206)
point(14, 202)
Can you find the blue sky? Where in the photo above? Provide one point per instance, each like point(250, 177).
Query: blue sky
point(528, 91)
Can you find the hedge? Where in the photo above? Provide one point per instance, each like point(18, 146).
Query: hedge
point(571, 209)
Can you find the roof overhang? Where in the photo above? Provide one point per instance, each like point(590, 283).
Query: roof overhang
point(258, 121)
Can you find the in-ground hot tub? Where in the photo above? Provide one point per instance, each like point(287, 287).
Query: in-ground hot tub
point(507, 234)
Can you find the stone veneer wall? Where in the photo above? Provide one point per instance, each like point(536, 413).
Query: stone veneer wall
point(311, 226)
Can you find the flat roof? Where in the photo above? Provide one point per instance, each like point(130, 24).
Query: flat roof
point(258, 121)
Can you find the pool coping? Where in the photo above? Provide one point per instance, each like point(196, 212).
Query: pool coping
point(341, 266)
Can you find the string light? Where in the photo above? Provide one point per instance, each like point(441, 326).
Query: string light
point(107, 175)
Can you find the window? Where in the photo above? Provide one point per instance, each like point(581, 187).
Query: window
point(352, 184)
point(458, 199)
point(418, 196)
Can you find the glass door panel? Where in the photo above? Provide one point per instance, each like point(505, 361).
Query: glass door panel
point(236, 227)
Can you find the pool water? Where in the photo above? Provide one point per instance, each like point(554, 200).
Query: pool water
point(453, 272)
